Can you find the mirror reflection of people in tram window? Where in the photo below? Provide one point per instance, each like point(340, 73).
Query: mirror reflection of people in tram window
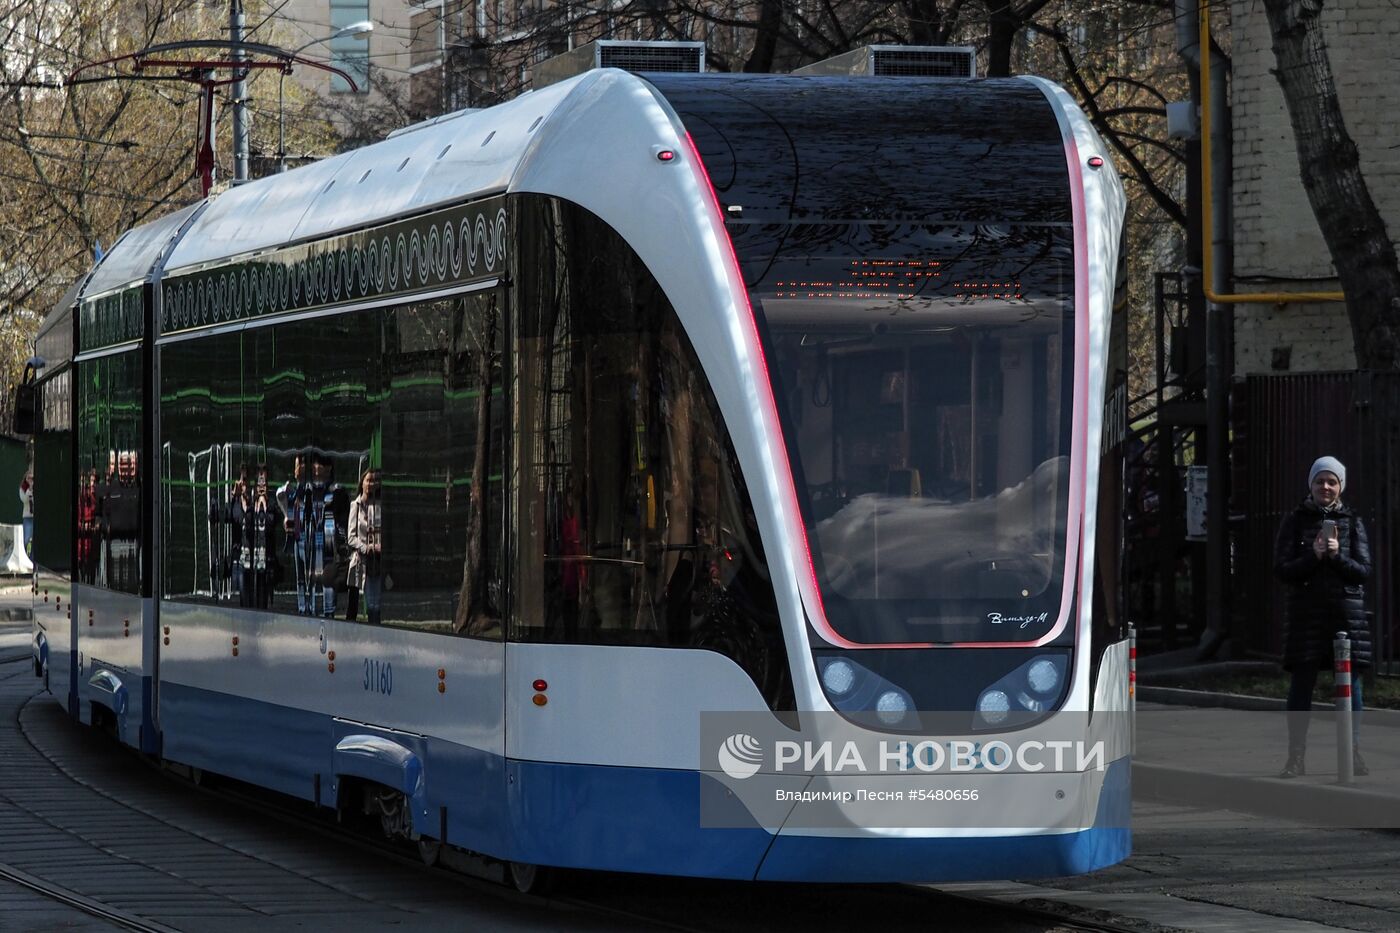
point(258, 553)
point(366, 549)
point(87, 528)
point(323, 511)
point(573, 570)
point(290, 499)
point(123, 517)
point(239, 504)
point(26, 499)
point(102, 534)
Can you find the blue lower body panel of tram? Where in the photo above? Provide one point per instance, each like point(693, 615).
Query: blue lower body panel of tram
point(590, 816)
point(642, 820)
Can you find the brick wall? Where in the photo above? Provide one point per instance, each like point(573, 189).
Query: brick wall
point(1277, 242)
point(1292, 338)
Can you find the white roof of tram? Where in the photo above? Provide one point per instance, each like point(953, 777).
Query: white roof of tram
point(132, 257)
point(446, 160)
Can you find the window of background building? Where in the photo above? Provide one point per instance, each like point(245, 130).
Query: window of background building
point(350, 53)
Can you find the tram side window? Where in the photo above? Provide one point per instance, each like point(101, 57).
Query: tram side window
point(108, 509)
point(201, 426)
point(634, 523)
point(53, 460)
point(330, 467)
point(1114, 452)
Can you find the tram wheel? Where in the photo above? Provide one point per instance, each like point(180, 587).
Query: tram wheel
point(395, 814)
point(429, 850)
point(532, 879)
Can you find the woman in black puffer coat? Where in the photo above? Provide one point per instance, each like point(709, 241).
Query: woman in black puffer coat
point(1323, 556)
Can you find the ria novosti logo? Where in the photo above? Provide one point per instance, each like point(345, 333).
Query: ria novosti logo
point(741, 756)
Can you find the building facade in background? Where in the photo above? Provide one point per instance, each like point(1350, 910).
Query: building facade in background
point(1278, 246)
point(379, 62)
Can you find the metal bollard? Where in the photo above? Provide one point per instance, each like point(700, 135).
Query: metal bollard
point(1341, 666)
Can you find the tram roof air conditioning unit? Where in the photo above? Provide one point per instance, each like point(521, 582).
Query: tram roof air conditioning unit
point(899, 61)
point(676, 57)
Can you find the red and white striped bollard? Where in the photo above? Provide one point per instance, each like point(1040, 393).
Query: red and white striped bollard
point(1341, 666)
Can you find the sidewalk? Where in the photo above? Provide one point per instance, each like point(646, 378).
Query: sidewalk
point(16, 615)
point(1229, 758)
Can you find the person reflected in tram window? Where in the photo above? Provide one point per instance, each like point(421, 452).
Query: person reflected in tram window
point(123, 514)
point(103, 536)
point(291, 499)
point(87, 528)
point(324, 513)
point(573, 569)
point(26, 499)
point(261, 569)
point(239, 504)
point(366, 549)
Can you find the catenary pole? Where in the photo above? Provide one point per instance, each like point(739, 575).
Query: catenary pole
point(239, 94)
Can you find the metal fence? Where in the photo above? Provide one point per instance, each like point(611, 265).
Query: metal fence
point(1282, 424)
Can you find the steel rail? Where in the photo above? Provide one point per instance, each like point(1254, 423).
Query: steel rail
point(87, 905)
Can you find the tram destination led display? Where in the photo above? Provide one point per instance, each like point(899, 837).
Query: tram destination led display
point(882, 279)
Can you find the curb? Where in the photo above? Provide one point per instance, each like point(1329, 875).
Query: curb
point(1205, 699)
point(1327, 805)
point(1180, 696)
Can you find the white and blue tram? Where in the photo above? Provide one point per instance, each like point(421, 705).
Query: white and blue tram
point(680, 394)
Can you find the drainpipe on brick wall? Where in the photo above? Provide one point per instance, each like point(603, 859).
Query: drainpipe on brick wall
point(1213, 169)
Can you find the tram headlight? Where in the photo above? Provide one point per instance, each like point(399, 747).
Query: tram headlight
point(892, 707)
point(839, 677)
point(1043, 676)
point(1025, 693)
point(870, 699)
point(994, 706)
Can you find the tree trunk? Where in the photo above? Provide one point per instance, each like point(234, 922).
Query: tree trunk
point(925, 22)
point(1003, 23)
point(765, 44)
point(1352, 227)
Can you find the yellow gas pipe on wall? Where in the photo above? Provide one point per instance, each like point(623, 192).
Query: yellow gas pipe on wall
point(1207, 220)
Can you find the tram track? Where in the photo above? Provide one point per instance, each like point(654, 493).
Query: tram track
point(87, 905)
point(92, 825)
point(11, 668)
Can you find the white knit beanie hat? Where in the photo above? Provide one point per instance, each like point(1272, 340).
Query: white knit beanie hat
point(1328, 465)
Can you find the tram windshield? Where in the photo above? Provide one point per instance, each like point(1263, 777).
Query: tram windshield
point(924, 379)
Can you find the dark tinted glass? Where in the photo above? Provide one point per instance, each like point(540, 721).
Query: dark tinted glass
point(108, 508)
point(54, 526)
point(341, 467)
point(634, 523)
point(924, 375)
point(1119, 457)
point(798, 148)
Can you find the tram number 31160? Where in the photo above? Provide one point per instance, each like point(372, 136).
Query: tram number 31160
point(379, 677)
